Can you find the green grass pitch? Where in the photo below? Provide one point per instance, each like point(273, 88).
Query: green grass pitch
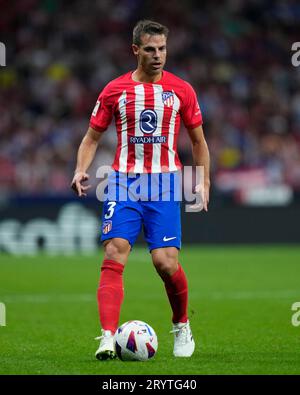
point(240, 311)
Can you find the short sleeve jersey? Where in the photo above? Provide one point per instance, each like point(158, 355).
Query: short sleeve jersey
point(147, 118)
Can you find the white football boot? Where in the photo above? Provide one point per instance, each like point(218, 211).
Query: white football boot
point(184, 344)
point(106, 348)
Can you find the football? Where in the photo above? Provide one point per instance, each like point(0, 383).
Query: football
point(135, 341)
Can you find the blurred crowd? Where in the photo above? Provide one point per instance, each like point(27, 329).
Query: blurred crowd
point(60, 54)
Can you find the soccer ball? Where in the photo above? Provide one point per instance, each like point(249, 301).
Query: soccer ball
point(135, 341)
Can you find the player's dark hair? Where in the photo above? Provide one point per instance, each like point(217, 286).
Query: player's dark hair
point(148, 27)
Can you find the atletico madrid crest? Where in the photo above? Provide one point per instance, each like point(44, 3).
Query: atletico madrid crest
point(106, 227)
point(168, 98)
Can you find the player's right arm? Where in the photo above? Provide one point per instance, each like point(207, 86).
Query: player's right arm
point(85, 156)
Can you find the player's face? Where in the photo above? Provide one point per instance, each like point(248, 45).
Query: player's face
point(151, 54)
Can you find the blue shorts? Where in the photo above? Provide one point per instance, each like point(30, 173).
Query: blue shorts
point(125, 217)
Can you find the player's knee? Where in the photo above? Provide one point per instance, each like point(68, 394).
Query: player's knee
point(165, 260)
point(117, 250)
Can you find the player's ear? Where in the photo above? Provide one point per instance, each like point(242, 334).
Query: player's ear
point(135, 49)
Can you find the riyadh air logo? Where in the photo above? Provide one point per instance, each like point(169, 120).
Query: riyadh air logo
point(168, 98)
point(148, 121)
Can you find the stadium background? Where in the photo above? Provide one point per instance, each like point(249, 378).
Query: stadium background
point(237, 55)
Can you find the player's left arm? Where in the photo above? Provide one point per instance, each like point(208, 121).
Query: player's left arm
point(201, 158)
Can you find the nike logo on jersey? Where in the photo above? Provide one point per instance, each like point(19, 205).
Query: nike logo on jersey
point(125, 101)
point(168, 238)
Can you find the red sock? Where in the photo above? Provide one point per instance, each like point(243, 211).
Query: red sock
point(110, 294)
point(177, 290)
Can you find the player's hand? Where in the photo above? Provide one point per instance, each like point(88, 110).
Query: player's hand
point(79, 178)
point(203, 191)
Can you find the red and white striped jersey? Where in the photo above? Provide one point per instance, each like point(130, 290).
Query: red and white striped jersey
point(147, 118)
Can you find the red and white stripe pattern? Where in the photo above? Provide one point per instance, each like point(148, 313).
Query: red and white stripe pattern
point(147, 120)
point(139, 148)
point(150, 157)
point(122, 143)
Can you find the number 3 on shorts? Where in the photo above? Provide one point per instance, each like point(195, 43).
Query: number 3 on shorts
point(110, 210)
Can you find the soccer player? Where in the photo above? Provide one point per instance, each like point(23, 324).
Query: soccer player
point(147, 105)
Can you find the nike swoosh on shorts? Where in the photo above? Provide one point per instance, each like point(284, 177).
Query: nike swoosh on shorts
point(168, 238)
